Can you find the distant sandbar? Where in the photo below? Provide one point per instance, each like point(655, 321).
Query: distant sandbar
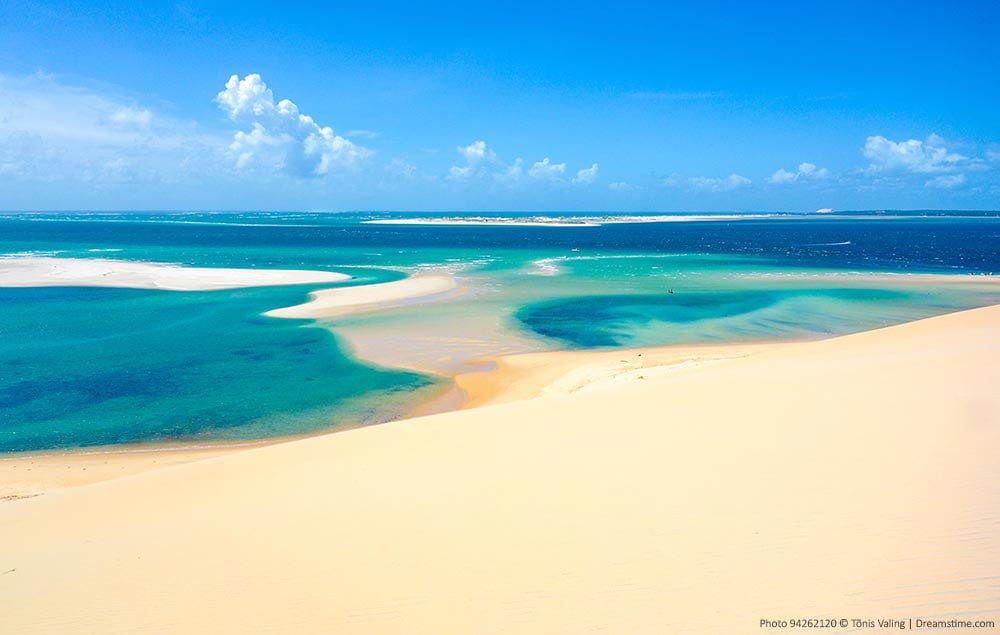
point(563, 221)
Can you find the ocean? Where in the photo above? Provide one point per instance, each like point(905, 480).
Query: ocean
point(84, 366)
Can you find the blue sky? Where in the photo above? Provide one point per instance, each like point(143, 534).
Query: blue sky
point(788, 106)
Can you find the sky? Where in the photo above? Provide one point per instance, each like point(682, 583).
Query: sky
point(513, 106)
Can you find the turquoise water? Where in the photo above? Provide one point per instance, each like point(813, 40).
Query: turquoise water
point(612, 320)
point(87, 366)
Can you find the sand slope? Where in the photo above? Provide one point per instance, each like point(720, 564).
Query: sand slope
point(851, 478)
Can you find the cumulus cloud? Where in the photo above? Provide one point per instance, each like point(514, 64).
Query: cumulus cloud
point(247, 144)
point(922, 157)
point(477, 151)
point(707, 183)
point(547, 170)
point(586, 175)
point(280, 136)
point(946, 181)
point(249, 95)
point(783, 176)
point(806, 171)
point(477, 154)
point(481, 162)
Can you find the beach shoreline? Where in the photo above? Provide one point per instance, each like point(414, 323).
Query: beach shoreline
point(496, 380)
point(502, 379)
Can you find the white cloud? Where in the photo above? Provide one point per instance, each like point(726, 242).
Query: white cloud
point(280, 136)
point(946, 182)
point(477, 151)
point(249, 95)
point(476, 155)
point(921, 157)
point(805, 171)
point(127, 116)
point(731, 182)
point(481, 162)
point(51, 130)
point(332, 150)
point(547, 170)
point(708, 184)
point(783, 176)
point(456, 172)
point(246, 144)
point(587, 175)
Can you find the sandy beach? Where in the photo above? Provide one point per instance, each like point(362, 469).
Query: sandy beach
point(847, 478)
point(99, 272)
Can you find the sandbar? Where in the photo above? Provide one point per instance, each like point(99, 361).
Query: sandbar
point(99, 272)
point(488, 221)
point(327, 303)
point(565, 221)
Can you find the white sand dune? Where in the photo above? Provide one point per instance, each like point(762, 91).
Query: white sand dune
point(97, 272)
point(328, 303)
point(26, 475)
point(849, 478)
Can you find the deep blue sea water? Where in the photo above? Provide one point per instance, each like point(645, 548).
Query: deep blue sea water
point(96, 366)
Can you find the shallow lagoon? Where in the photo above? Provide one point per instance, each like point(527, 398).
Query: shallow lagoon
point(84, 366)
